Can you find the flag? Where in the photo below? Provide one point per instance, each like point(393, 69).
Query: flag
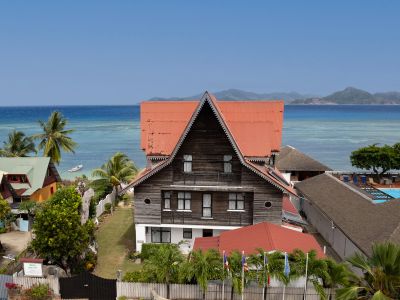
point(226, 262)
point(244, 263)
point(286, 269)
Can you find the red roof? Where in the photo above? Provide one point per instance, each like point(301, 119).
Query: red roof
point(265, 235)
point(256, 126)
point(288, 206)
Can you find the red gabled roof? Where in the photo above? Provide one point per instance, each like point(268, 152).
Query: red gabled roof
point(265, 235)
point(288, 206)
point(256, 126)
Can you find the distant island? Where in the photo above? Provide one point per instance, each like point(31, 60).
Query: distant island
point(349, 95)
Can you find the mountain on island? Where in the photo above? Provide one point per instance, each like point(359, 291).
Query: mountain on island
point(353, 95)
point(349, 95)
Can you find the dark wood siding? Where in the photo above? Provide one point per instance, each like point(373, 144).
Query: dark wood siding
point(207, 143)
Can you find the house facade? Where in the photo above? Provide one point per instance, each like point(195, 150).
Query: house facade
point(28, 178)
point(210, 169)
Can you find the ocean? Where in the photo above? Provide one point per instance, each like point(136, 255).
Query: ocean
point(328, 133)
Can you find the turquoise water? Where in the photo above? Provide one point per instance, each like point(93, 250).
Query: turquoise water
point(328, 133)
point(395, 193)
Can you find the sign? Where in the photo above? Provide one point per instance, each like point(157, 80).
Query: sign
point(33, 269)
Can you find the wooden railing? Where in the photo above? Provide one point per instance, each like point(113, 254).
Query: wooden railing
point(229, 218)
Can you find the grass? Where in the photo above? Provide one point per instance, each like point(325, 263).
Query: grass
point(115, 238)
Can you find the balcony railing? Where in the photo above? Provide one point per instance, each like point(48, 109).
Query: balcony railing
point(217, 178)
point(229, 218)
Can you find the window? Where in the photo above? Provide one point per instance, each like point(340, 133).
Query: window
point(268, 204)
point(184, 200)
point(227, 163)
point(48, 172)
point(187, 163)
point(147, 201)
point(207, 206)
point(167, 200)
point(160, 235)
point(236, 201)
point(187, 233)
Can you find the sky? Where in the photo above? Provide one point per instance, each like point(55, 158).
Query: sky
point(122, 52)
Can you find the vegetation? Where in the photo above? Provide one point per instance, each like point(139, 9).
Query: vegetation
point(115, 238)
point(17, 145)
point(4, 208)
point(59, 235)
point(119, 169)
point(379, 159)
point(55, 137)
point(381, 275)
point(39, 291)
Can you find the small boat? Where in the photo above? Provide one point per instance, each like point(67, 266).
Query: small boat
point(75, 169)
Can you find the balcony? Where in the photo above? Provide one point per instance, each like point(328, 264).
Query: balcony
point(198, 178)
point(230, 218)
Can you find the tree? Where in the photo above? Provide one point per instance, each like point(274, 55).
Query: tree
point(55, 137)
point(235, 272)
point(381, 274)
point(17, 145)
point(30, 206)
point(376, 158)
point(163, 265)
point(4, 208)
point(119, 169)
point(339, 276)
point(203, 266)
point(59, 235)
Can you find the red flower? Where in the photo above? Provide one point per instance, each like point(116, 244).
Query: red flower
point(11, 285)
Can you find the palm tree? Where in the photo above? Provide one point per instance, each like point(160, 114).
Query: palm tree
point(119, 169)
point(381, 274)
point(235, 272)
point(17, 145)
point(339, 276)
point(163, 265)
point(203, 266)
point(55, 137)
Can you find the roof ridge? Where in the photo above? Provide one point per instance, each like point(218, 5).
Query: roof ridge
point(268, 233)
point(349, 187)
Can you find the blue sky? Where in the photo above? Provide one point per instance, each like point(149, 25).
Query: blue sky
point(121, 52)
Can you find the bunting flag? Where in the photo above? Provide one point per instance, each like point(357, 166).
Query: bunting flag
point(286, 269)
point(226, 262)
point(244, 263)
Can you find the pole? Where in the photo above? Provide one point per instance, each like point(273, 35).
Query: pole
point(264, 276)
point(284, 291)
point(305, 285)
point(242, 276)
point(223, 275)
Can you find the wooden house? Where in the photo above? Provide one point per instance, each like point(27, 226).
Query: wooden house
point(210, 168)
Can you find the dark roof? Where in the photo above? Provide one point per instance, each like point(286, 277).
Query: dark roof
point(352, 212)
point(291, 159)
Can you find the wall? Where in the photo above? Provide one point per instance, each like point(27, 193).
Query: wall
point(44, 193)
point(342, 245)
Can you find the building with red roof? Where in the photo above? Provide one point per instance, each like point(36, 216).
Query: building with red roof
point(267, 236)
point(211, 167)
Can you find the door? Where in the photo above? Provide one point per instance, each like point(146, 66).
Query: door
point(207, 206)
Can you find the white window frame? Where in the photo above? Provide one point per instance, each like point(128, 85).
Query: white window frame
point(187, 163)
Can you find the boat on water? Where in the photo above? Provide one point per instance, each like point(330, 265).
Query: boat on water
point(76, 168)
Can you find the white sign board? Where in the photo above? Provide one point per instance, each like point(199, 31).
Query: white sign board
point(33, 269)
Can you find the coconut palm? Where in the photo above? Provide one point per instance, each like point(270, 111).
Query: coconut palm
point(119, 169)
point(55, 137)
point(163, 265)
point(339, 276)
point(381, 274)
point(203, 266)
point(17, 145)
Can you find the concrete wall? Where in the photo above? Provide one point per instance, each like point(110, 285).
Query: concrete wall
point(342, 245)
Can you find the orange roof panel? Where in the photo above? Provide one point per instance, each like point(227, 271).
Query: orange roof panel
point(256, 126)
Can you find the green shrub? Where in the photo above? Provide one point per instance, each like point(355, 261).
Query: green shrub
point(122, 298)
point(133, 255)
point(39, 292)
point(134, 276)
point(107, 207)
point(149, 249)
point(3, 230)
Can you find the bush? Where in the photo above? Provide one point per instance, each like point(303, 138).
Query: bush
point(39, 292)
point(134, 255)
point(107, 207)
point(3, 230)
point(122, 298)
point(149, 249)
point(134, 276)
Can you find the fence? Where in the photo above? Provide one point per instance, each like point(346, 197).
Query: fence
point(108, 199)
point(214, 292)
point(27, 282)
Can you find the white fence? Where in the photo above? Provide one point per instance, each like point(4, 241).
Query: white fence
point(28, 282)
point(108, 199)
point(214, 292)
